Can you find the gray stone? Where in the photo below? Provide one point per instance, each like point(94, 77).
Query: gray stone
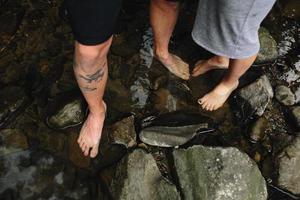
point(123, 132)
point(268, 47)
point(258, 131)
point(295, 113)
point(11, 141)
point(71, 114)
point(284, 95)
point(253, 99)
point(215, 173)
point(288, 167)
point(11, 100)
point(138, 177)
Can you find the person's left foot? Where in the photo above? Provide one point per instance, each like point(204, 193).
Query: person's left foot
point(175, 65)
point(217, 97)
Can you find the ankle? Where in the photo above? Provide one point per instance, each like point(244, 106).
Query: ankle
point(220, 60)
point(161, 53)
point(98, 110)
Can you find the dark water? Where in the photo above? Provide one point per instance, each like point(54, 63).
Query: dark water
point(36, 51)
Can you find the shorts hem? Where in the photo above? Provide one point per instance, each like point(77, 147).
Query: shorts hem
point(91, 41)
point(200, 43)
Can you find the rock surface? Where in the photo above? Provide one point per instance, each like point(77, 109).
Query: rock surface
point(258, 130)
point(284, 95)
point(221, 174)
point(295, 113)
point(69, 115)
point(253, 99)
point(138, 177)
point(11, 141)
point(123, 132)
point(11, 100)
point(268, 47)
point(289, 165)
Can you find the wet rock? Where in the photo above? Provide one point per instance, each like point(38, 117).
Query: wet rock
point(174, 129)
point(164, 101)
point(9, 24)
point(138, 177)
point(253, 99)
point(12, 99)
point(49, 139)
point(268, 47)
point(11, 141)
point(295, 114)
point(284, 95)
point(109, 154)
point(288, 167)
point(258, 131)
point(123, 132)
point(68, 115)
point(291, 9)
point(75, 153)
point(38, 176)
point(222, 173)
point(117, 91)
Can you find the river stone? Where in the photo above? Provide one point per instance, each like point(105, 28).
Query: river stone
point(75, 153)
point(123, 132)
point(259, 130)
point(11, 141)
point(71, 114)
point(253, 99)
point(295, 113)
point(268, 46)
point(288, 167)
point(291, 9)
point(11, 100)
point(284, 95)
point(215, 173)
point(138, 177)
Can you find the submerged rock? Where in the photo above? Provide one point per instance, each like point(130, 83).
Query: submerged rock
point(291, 9)
point(75, 153)
point(68, 114)
point(258, 131)
point(11, 141)
point(268, 47)
point(175, 129)
point(138, 177)
point(123, 132)
point(217, 173)
point(12, 99)
point(253, 99)
point(40, 176)
point(284, 95)
point(288, 167)
point(295, 114)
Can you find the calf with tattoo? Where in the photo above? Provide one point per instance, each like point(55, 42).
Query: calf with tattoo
point(92, 23)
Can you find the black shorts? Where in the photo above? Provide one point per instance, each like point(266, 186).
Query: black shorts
point(92, 21)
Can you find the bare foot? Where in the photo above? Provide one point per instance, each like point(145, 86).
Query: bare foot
point(176, 66)
point(203, 66)
point(217, 97)
point(90, 133)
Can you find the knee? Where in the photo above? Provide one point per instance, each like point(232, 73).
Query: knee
point(166, 5)
point(92, 53)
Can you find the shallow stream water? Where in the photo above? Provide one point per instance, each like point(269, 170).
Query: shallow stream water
point(36, 51)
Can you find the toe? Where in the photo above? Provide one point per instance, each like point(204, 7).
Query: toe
point(86, 150)
point(200, 101)
point(94, 151)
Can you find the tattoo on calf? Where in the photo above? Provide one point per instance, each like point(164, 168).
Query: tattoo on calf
point(97, 76)
point(87, 89)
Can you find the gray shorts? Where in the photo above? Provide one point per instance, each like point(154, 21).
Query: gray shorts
point(230, 27)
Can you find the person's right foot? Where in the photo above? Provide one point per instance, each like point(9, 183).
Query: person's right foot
point(175, 65)
point(203, 66)
point(90, 134)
